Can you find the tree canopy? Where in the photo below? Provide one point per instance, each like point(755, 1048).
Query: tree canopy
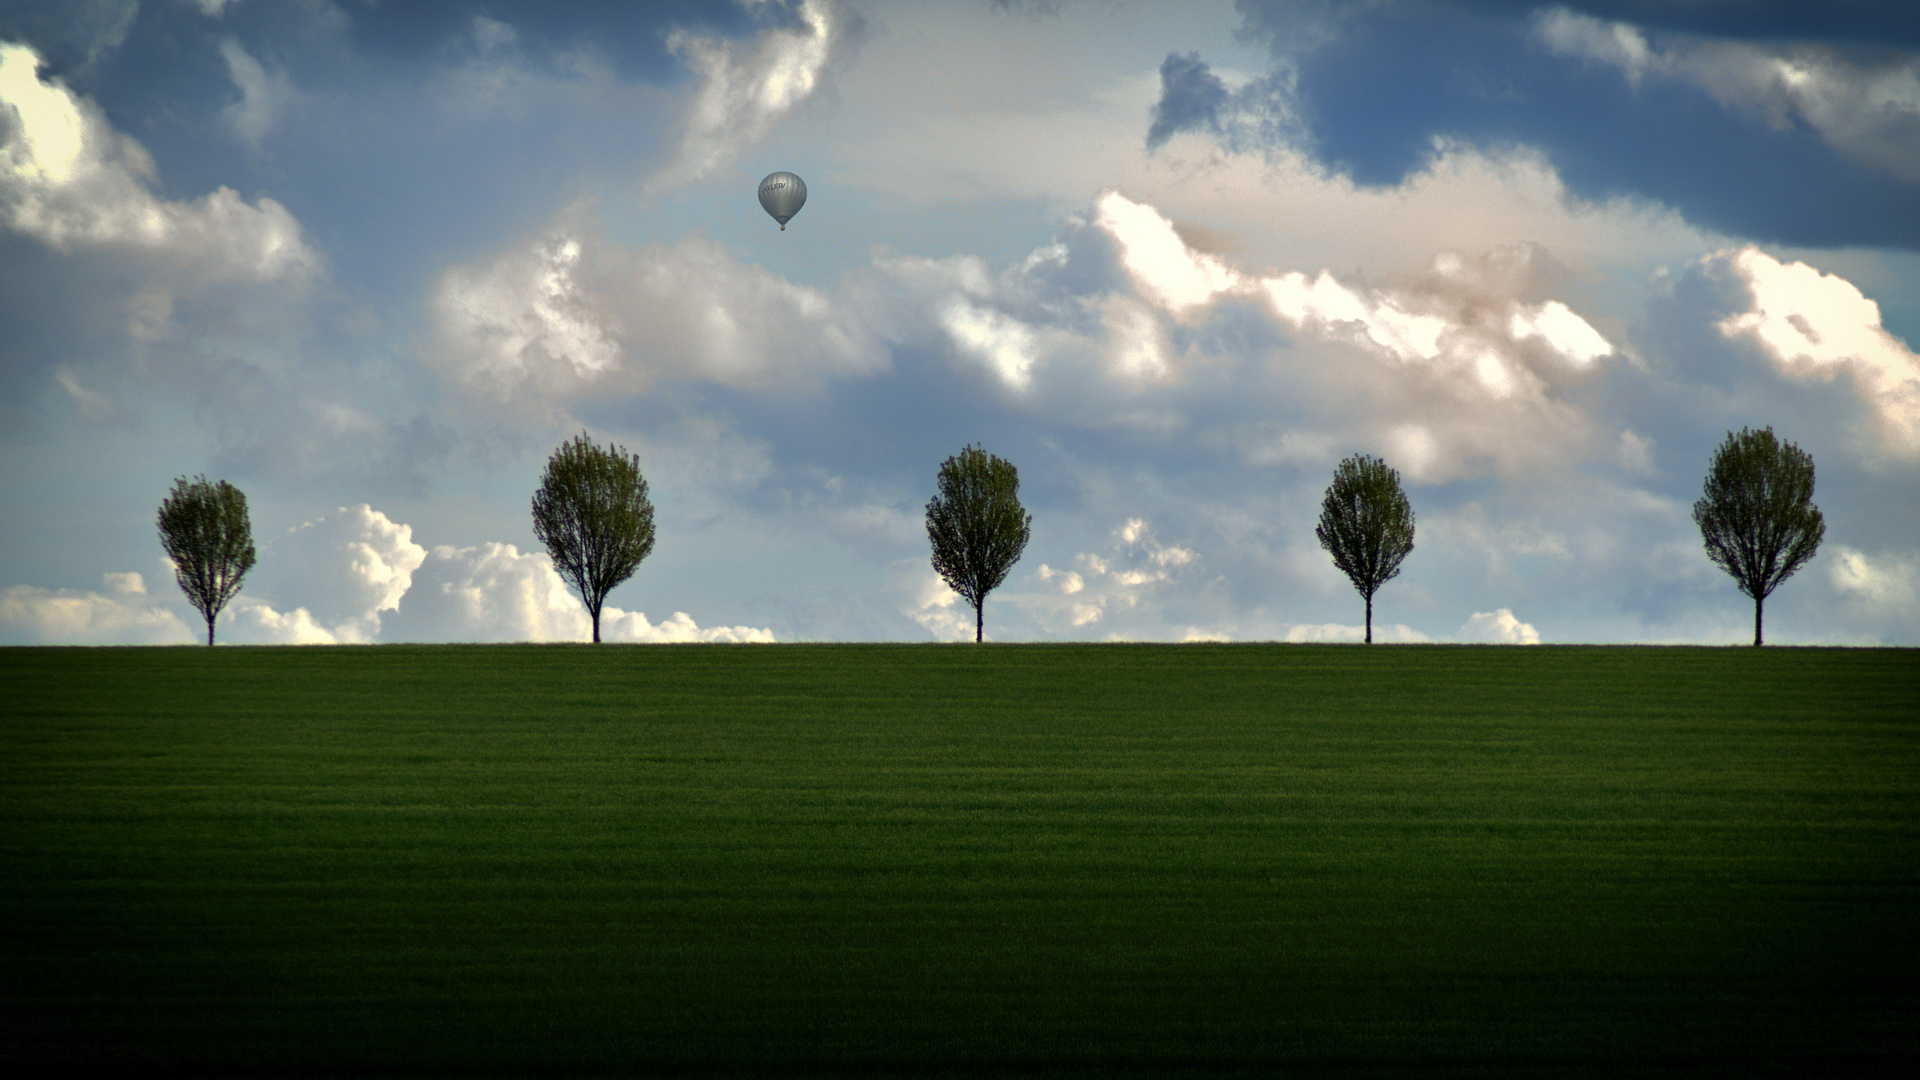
point(1366, 524)
point(593, 515)
point(976, 526)
point(1757, 516)
point(205, 531)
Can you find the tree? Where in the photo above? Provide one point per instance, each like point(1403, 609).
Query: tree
point(205, 531)
point(1757, 515)
point(976, 526)
point(593, 515)
point(1366, 523)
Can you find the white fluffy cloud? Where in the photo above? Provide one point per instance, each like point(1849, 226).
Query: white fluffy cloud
point(1498, 627)
point(337, 576)
point(488, 592)
point(1816, 326)
point(1442, 321)
point(745, 87)
point(553, 320)
point(1470, 372)
point(1095, 595)
point(352, 576)
point(1869, 113)
point(69, 180)
point(679, 628)
point(121, 614)
point(1340, 632)
point(1889, 581)
point(495, 592)
point(523, 322)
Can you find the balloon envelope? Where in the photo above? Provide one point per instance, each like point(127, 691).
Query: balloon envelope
point(783, 194)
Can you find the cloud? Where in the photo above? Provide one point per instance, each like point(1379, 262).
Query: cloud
point(1771, 137)
point(264, 95)
point(937, 608)
point(1889, 581)
point(69, 181)
point(618, 625)
point(494, 592)
point(1472, 373)
point(488, 592)
point(1868, 111)
point(95, 405)
point(744, 88)
point(523, 322)
point(122, 614)
point(1339, 632)
point(1260, 114)
point(1499, 628)
point(1423, 322)
point(1097, 595)
point(250, 621)
point(343, 570)
point(563, 317)
point(1816, 326)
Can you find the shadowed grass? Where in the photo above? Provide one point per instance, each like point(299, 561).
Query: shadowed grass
point(1005, 859)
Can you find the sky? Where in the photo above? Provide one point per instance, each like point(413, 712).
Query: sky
point(372, 263)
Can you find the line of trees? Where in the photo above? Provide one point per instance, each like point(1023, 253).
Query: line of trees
point(591, 511)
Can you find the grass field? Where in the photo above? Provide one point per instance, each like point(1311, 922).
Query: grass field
point(1006, 860)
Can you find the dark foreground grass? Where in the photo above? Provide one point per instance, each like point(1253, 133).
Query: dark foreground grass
point(868, 860)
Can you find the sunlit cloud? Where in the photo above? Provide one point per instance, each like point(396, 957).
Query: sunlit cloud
point(1095, 596)
point(69, 180)
point(1399, 633)
point(1890, 580)
point(1816, 326)
point(120, 613)
point(1498, 627)
point(746, 87)
point(496, 592)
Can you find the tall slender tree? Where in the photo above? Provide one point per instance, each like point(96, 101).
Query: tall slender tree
point(205, 531)
point(1366, 524)
point(593, 515)
point(1757, 515)
point(977, 527)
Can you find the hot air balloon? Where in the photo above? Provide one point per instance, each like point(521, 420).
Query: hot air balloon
point(783, 194)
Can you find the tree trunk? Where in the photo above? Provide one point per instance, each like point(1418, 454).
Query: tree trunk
point(596, 625)
point(1756, 623)
point(1369, 618)
point(979, 621)
point(209, 631)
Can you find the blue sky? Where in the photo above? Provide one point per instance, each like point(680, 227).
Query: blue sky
point(373, 263)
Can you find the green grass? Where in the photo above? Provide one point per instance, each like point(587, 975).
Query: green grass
point(1046, 859)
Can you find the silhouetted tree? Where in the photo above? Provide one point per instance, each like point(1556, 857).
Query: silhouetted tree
point(1757, 516)
point(205, 531)
point(976, 526)
point(1366, 524)
point(593, 515)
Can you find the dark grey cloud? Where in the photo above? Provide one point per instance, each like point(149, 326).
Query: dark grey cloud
point(1191, 97)
point(1194, 99)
